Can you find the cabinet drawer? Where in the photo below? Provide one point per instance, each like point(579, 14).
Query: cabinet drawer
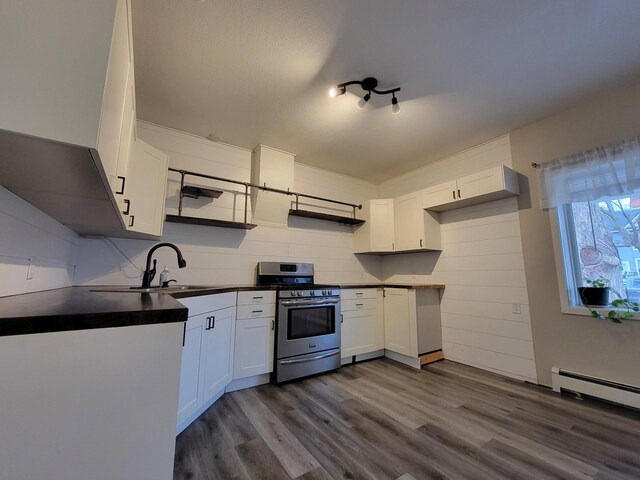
point(358, 293)
point(257, 297)
point(255, 311)
point(360, 304)
point(208, 303)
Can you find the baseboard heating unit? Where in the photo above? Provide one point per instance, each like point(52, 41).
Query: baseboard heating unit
point(596, 387)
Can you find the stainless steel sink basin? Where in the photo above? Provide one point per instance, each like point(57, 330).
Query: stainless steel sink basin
point(170, 289)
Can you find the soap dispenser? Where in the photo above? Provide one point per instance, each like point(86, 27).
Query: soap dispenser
point(164, 276)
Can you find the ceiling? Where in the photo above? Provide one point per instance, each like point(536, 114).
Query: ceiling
point(258, 72)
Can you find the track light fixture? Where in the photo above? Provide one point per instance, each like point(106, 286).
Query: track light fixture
point(369, 85)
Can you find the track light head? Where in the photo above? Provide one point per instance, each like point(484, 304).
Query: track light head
point(337, 91)
point(395, 107)
point(363, 101)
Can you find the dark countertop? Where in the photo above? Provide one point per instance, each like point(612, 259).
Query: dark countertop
point(79, 308)
point(82, 308)
point(395, 285)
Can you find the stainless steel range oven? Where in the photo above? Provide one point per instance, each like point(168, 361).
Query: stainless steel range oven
point(307, 322)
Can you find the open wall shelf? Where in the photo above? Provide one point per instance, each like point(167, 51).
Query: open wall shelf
point(210, 222)
point(191, 191)
point(325, 216)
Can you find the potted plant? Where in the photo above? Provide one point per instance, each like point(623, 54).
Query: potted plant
point(596, 294)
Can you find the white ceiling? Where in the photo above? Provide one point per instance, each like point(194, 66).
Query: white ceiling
point(258, 72)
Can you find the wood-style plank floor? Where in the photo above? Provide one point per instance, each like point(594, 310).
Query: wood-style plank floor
point(381, 420)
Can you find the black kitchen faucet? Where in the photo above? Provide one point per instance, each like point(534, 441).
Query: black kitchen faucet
point(149, 272)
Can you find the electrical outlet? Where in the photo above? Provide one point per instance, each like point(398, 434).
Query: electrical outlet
point(31, 269)
point(516, 308)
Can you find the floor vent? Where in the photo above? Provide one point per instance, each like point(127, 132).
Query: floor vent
point(596, 387)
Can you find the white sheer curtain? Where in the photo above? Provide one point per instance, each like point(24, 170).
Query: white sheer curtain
point(611, 170)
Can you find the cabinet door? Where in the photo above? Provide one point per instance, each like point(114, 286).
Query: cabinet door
point(439, 194)
point(190, 394)
point(481, 183)
point(126, 150)
point(382, 235)
point(359, 333)
point(409, 222)
point(147, 186)
point(115, 93)
point(397, 322)
point(218, 352)
point(253, 349)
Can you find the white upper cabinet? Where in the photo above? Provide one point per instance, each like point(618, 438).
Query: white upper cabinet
point(396, 226)
point(484, 186)
point(440, 194)
point(415, 228)
point(273, 168)
point(68, 116)
point(147, 181)
point(66, 65)
point(377, 233)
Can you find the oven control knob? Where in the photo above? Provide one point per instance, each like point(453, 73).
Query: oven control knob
point(313, 293)
point(299, 293)
point(324, 292)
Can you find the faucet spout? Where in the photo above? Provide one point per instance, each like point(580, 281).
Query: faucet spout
point(149, 272)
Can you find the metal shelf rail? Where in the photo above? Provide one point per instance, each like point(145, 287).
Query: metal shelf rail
point(247, 185)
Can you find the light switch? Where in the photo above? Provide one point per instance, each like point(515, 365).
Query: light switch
point(515, 307)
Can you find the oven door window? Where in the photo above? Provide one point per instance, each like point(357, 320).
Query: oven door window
point(311, 322)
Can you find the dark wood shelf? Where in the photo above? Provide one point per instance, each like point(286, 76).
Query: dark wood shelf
point(210, 222)
point(325, 216)
point(191, 191)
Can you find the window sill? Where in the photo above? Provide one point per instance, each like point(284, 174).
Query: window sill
point(584, 311)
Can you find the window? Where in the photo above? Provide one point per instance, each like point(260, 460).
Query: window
point(602, 239)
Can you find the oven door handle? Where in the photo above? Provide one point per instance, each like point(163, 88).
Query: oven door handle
point(311, 359)
point(315, 303)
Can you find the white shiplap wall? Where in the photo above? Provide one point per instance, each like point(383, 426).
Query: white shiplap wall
point(225, 256)
point(27, 233)
point(481, 265)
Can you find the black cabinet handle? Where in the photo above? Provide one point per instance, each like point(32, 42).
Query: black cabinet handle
point(358, 305)
point(454, 194)
point(273, 324)
point(131, 220)
point(121, 191)
point(341, 318)
point(420, 243)
point(128, 203)
point(213, 322)
point(459, 196)
point(257, 298)
point(256, 311)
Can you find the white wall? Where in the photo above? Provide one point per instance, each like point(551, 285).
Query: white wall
point(27, 233)
point(481, 265)
point(217, 255)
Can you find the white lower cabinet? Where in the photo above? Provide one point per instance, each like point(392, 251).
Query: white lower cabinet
point(255, 328)
point(254, 347)
point(217, 351)
point(362, 329)
point(411, 323)
point(400, 326)
point(207, 354)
